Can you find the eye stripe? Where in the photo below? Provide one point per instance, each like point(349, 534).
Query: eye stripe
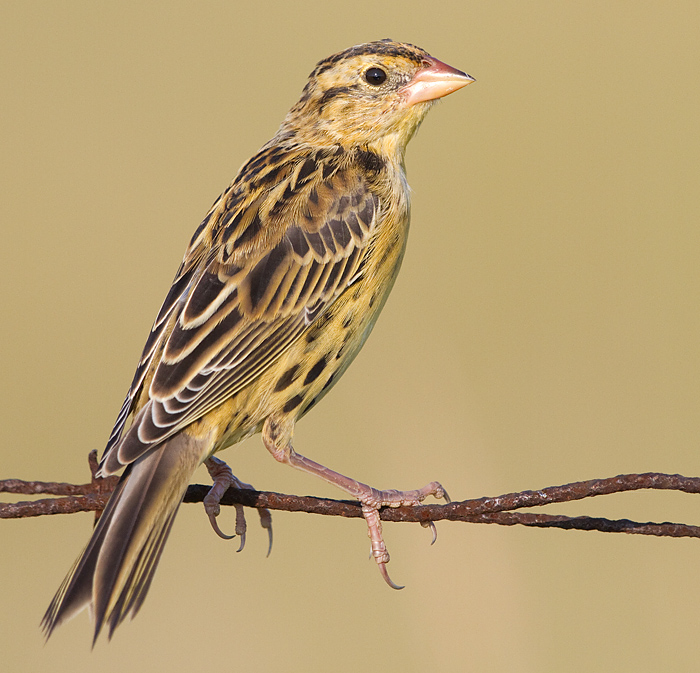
point(331, 93)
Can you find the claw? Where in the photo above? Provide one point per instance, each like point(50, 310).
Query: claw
point(387, 579)
point(266, 522)
point(269, 547)
point(217, 530)
point(240, 546)
point(431, 525)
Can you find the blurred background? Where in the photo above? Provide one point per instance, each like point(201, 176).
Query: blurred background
point(544, 329)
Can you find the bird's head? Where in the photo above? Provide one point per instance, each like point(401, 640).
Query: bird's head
point(374, 94)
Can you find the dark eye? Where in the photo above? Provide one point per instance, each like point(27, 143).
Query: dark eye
point(375, 76)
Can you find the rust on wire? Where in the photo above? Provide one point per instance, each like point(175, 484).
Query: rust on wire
point(93, 496)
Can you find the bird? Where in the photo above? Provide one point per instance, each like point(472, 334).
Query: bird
point(278, 290)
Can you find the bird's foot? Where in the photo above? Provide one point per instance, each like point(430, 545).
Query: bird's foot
point(277, 439)
point(372, 500)
point(223, 478)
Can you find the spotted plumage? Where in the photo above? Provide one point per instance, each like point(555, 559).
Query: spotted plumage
point(278, 290)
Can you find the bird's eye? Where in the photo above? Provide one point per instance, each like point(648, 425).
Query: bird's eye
point(375, 76)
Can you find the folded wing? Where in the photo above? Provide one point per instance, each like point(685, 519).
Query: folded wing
point(262, 268)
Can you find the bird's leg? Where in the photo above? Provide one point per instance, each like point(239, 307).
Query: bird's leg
point(280, 446)
point(222, 477)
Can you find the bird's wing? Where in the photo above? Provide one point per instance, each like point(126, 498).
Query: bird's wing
point(183, 279)
point(268, 264)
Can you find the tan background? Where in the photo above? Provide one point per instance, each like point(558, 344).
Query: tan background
point(544, 329)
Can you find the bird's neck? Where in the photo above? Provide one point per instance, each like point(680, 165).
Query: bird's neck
point(390, 147)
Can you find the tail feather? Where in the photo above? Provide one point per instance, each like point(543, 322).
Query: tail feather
point(113, 574)
point(139, 581)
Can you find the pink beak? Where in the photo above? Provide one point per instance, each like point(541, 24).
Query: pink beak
point(435, 81)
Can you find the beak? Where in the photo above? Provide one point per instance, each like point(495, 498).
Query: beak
point(434, 81)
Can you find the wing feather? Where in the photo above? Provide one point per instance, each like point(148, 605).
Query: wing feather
point(265, 271)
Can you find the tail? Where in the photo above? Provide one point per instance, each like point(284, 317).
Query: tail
point(113, 574)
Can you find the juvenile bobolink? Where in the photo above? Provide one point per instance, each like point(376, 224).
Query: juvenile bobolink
point(278, 290)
